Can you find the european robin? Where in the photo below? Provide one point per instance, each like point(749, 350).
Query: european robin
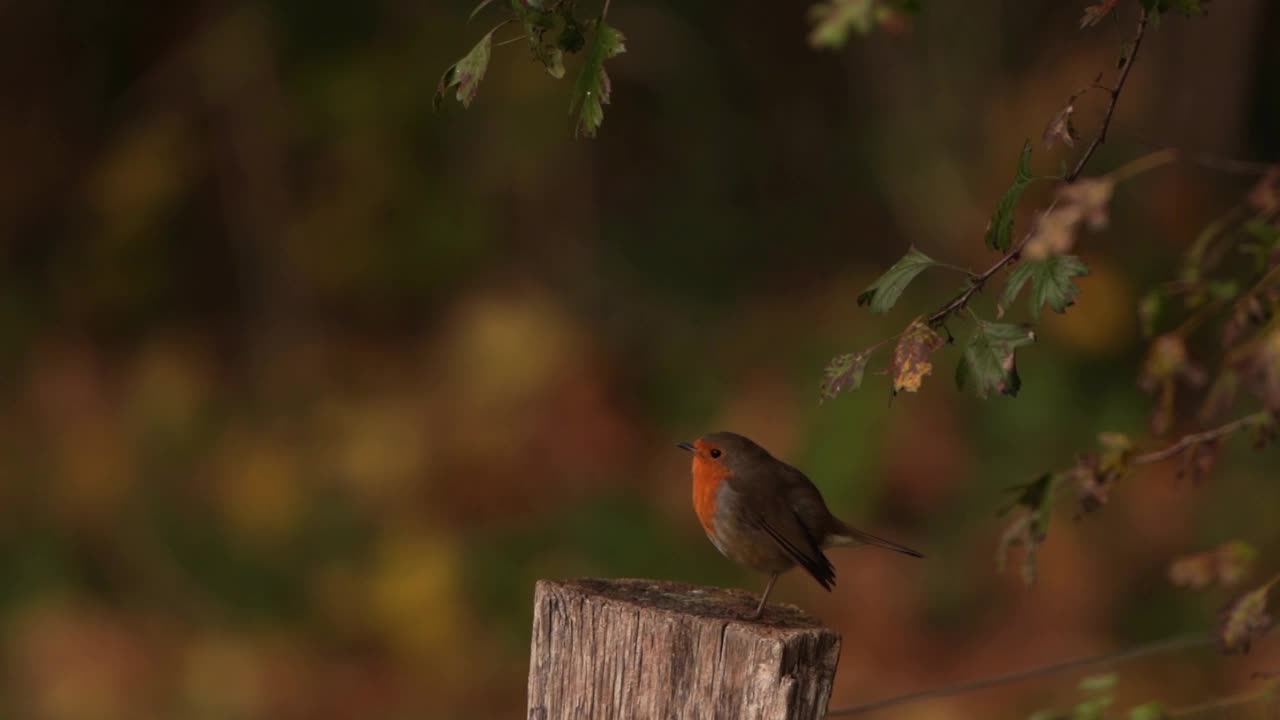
point(766, 515)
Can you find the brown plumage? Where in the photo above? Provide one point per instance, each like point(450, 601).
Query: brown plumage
point(766, 515)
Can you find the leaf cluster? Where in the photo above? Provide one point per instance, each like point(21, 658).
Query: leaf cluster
point(553, 30)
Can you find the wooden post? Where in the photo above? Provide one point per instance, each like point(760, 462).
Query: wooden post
point(649, 650)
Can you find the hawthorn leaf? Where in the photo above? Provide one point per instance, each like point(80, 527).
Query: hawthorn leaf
point(1260, 365)
point(989, 358)
point(844, 372)
point(1224, 565)
point(1060, 128)
point(592, 90)
point(1094, 13)
point(1245, 619)
point(834, 20)
point(1051, 282)
point(1221, 396)
point(1168, 363)
point(465, 74)
point(999, 234)
point(885, 291)
point(910, 362)
point(1030, 525)
point(1097, 473)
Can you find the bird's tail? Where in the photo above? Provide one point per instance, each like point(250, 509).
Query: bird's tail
point(853, 536)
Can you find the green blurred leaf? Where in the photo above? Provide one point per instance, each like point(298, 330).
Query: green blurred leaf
point(989, 359)
point(885, 291)
point(1000, 229)
point(1148, 711)
point(591, 92)
point(1150, 308)
point(1098, 683)
point(1050, 282)
point(466, 74)
point(834, 20)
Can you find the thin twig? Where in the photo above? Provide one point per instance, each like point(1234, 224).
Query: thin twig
point(1174, 644)
point(604, 12)
point(1193, 439)
point(977, 283)
point(1221, 703)
point(1101, 137)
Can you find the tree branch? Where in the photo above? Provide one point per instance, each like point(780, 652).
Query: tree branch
point(1174, 644)
point(1221, 703)
point(1115, 98)
point(977, 283)
point(1188, 441)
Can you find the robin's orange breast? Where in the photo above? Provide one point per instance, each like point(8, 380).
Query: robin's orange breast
point(707, 477)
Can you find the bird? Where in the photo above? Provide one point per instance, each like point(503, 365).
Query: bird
point(766, 515)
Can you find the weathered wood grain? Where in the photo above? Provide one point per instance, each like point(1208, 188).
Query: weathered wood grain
point(649, 650)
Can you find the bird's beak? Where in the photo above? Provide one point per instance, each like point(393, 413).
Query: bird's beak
point(686, 446)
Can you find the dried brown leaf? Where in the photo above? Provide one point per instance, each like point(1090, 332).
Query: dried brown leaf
point(1083, 202)
point(910, 362)
point(1258, 364)
point(1092, 196)
point(1060, 128)
point(1094, 13)
point(1198, 460)
point(1245, 620)
point(1168, 363)
point(1265, 195)
point(1224, 565)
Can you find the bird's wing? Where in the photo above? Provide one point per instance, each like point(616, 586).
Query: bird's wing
point(784, 526)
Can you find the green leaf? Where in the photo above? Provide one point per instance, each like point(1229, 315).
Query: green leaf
point(1148, 711)
point(886, 290)
point(537, 22)
point(466, 74)
point(1050, 282)
point(591, 92)
point(1000, 229)
point(989, 357)
point(1150, 309)
point(843, 373)
point(1098, 683)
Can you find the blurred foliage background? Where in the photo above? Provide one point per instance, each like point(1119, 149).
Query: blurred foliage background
point(307, 384)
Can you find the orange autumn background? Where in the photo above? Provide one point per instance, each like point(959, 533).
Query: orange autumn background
point(309, 384)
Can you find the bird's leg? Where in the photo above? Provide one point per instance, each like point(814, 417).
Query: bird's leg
point(765, 597)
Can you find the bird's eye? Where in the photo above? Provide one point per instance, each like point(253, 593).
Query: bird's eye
point(715, 452)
